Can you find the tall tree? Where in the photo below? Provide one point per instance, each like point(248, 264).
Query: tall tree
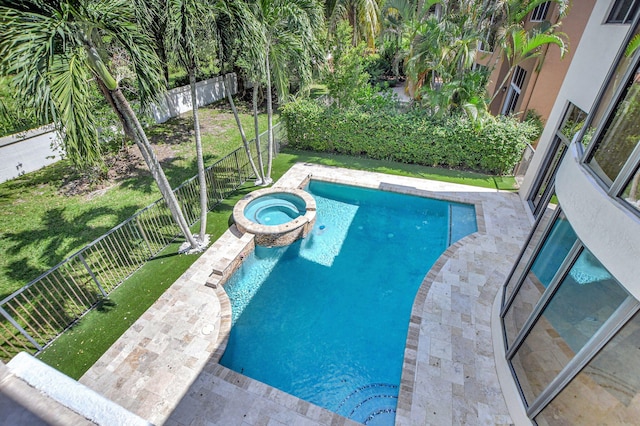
point(240, 46)
point(191, 25)
point(54, 48)
point(362, 15)
point(515, 43)
point(291, 29)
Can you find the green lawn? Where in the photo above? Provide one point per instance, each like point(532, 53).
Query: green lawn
point(80, 347)
point(40, 226)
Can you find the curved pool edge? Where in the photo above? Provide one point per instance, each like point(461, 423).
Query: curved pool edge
point(276, 235)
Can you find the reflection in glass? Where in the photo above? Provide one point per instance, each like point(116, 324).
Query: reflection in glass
point(573, 122)
point(538, 234)
point(621, 135)
point(607, 390)
point(612, 85)
point(631, 193)
point(559, 149)
point(585, 299)
point(548, 260)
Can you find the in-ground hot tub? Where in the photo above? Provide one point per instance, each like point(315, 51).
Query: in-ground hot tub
point(276, 216)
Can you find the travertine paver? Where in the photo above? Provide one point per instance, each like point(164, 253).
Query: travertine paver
point(164, 368)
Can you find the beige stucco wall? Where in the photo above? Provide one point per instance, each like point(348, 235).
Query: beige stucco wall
point(541, 95)
point(540, 88)
point(610, 231)
point(591, 62)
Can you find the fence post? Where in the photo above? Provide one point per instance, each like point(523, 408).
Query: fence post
point(141, 232)
point(20, 329)
point(84, 262)
point(235, 155)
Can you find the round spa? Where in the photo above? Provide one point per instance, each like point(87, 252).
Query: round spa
point(276, 216)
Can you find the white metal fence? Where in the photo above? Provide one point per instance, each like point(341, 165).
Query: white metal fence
point(34, 316)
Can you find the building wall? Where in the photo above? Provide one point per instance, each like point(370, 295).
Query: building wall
point(545, 85)
point(590, 64)
point(570, 314)
point(611, 232)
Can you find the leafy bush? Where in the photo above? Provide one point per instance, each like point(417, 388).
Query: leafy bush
point(15, 114)
point(411, 137)
point(536, 122)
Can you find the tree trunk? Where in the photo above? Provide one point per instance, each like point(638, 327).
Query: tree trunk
point(633, 191)
point(256, 126)
point(270, 149)
point(201, 178)
point(132, 127)
point(245, 143)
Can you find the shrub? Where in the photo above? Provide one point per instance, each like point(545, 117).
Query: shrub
point(411, 137)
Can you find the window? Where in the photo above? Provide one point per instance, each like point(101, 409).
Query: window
point(558, 243)
point(611, 380)
point(513, 94)
point(631, 192)
point(480, 68)
point(539, 14)
point(623, 11)
point(620, 136)
point(616, 79)
point(582, 302)
point(571, 124)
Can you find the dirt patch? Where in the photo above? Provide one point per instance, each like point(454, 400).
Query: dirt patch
point(125, 164)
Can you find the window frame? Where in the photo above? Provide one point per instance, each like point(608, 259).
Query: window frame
point(618, 6)
point(513, 90)
point(615, 188)
point(540, 12)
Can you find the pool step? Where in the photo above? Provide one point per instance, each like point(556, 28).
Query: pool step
point(228, 252)
point(372, 404)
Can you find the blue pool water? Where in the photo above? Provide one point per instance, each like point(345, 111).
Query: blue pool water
point(275, 209)
point(326, 318)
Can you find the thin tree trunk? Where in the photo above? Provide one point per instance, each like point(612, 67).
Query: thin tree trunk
point(633, 191)
point(268, 179)
point(256, 126)
point(132, 127)
point(201, 178)
point(245, 142)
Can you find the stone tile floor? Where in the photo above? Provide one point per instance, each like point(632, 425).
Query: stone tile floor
point(164, 368)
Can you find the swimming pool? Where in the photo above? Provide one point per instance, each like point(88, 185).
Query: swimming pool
point(325, 319)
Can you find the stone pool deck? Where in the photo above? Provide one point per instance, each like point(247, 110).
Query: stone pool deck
point(165, 367)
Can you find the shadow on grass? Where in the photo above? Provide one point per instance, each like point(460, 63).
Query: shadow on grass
point(57, 234)
point(72, 355)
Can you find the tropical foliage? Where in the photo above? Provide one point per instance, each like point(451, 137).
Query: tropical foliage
point(52, 49)
point(285, 53)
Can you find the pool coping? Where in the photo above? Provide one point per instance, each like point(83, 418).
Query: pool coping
point(179, 340)
point(276, 235)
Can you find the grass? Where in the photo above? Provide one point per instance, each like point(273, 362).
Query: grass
point(40, 227)
point(81, 346)
point(503, 183)
point(75, 351)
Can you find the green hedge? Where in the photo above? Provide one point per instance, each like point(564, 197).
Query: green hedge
point(410, 137)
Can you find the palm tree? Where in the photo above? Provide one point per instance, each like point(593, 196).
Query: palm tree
point(152, 17)
point(191, 24)
point(53, 49)
point(363, 16)
point(241, 33)
point(290, 29)
point(517, 44)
